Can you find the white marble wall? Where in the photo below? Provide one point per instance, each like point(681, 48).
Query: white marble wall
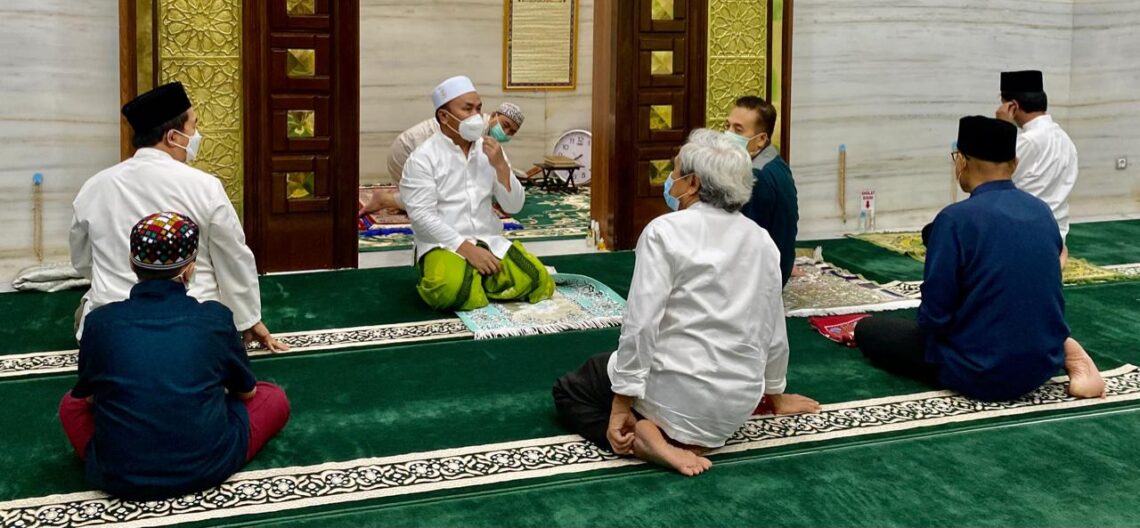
point(403, 58)
point(59, 114)
point(1104, 114)
point(891, 78)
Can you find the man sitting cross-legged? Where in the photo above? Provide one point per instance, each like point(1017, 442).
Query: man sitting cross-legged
point(166, 403)
point(991, 325)
point(463, 259)
point(703, 335)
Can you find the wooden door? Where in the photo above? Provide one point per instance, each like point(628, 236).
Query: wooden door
point(649, 72)
point(302, 96)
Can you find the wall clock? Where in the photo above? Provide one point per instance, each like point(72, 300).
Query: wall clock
point(576, 145)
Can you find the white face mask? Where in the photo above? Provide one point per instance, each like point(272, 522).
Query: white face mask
point(471, 129)
point(192, 146)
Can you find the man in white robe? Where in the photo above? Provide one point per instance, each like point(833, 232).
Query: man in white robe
point(157, 178)
point(1047, 159)
point(703, 336)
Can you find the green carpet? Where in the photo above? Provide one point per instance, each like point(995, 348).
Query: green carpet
point(1106, 243)
point(1101, 243)
point(291, 303)
point(379, 402)
point(868, 260)
point(1052, 472)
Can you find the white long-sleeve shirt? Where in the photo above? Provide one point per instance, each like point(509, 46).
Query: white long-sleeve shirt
point(703, 334)
point(1047, 166)
point(448, 195)
point(113, 201)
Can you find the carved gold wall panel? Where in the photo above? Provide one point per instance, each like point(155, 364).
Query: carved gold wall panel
point(199, 44)
point(737, 54)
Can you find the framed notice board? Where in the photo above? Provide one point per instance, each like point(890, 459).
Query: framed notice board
point(540, 45)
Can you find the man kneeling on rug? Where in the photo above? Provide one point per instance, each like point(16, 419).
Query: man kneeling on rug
point(166, 403)
point(703, 335)
point(991, 325)
point(464, 261)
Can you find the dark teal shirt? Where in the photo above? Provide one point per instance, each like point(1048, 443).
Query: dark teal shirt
point(992, 305)
point(774, 205)
point(158, 365)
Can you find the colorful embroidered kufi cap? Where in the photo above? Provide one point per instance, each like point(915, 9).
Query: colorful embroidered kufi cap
point(164, 241)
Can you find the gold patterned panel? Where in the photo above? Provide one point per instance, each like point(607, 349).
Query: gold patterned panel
point(200, 28)
point(661, 117)
point(302, 7)
point(661, 63)
point(659, 170)
point(299, 185)
point(301, 63)
point(737, 54)
point(301, 124)
point(199, 44)
point(662, 10)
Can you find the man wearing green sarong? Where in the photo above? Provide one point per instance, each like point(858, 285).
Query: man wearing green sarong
point(448, 183)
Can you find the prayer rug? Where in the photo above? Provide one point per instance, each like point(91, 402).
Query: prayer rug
point(823, 289)
point(545, 216)
point(1077, 271)
point(293, 488)
point(579, 303)
point(391, 229)
point(838, 328)
point(313, 341)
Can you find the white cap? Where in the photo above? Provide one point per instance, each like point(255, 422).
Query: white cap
point(450, 89)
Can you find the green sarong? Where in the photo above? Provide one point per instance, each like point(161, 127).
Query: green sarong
point(449, 282)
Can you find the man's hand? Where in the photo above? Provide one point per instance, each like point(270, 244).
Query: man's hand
point(261, 334)
point(1005, 112)
point(622, 425)
point(494, 151)
point(793, 404)
point(483, 260)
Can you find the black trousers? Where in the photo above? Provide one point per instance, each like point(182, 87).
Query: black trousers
point(583, 399)
point(897, 346)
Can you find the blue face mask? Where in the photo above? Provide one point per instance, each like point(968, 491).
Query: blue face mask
point(673, 202)
point(739, 139)
point(498, 134)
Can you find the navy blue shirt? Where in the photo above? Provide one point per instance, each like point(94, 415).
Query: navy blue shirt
point(775, 207)
point(992, 305)
point(158, 365)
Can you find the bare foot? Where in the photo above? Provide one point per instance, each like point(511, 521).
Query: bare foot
point(381, 200)
point(650, 445)
point(1084, 378)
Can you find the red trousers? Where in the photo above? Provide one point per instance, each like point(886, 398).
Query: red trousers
point(268, 413)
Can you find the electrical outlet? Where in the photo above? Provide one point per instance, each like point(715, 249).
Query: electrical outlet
point(1121, 163)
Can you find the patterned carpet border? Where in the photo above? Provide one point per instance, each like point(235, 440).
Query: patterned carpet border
point(311, 341)
point(284, 489)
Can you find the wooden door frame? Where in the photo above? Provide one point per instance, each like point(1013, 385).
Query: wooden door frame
point(346, 141)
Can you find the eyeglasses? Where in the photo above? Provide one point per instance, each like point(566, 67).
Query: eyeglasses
point(954, 155)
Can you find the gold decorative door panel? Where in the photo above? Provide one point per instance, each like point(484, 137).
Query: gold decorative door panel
point(197, 42)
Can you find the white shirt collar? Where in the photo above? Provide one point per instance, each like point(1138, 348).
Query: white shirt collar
point(1040, 121)
point(152, 153)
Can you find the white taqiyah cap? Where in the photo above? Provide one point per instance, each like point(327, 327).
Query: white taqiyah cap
point(450, 89)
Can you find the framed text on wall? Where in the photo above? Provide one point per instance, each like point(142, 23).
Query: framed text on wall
point(540, 45)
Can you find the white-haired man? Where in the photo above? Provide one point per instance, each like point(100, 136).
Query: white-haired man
point(685, 378)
